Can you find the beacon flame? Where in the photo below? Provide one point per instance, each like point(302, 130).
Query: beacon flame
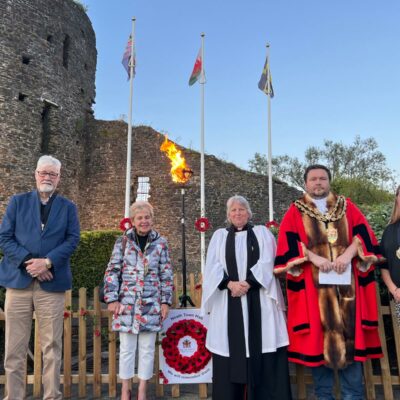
point(180, 171)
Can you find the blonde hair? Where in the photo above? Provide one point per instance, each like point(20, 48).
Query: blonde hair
point(396, 209)
point(237, 199)
point(140, 205)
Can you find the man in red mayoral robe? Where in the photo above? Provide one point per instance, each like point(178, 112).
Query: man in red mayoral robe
point(327, 250)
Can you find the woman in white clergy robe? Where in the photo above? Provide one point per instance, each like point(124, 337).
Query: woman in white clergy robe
point(247, 333)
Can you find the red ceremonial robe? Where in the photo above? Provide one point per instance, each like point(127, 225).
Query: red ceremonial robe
point(329, 324)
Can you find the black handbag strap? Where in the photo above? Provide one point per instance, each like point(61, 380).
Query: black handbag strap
point(124, 241)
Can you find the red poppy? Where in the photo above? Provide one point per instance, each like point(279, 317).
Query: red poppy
point(272, 224)
point(125, 224)
point(66, 314)
point(202, 224)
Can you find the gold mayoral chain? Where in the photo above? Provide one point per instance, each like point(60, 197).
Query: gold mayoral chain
point(335, 215)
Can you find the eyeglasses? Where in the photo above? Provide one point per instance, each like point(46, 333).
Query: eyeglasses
point(42, 174)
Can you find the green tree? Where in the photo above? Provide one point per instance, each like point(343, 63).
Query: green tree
point(359, 170)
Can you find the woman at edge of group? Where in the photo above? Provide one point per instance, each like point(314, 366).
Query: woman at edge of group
point(390, 248)
point(138, 291)
point(247, 333)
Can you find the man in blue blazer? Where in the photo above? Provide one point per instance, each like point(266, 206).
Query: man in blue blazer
point(38, 234)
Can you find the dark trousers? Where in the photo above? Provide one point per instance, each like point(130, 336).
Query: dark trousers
point(351, 382)
point(275, 382)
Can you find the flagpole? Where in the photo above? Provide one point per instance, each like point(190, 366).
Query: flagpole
point(129, 142)
point(202, 175)
point(270, 198)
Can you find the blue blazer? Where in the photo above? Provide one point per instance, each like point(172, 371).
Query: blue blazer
point(21, 234)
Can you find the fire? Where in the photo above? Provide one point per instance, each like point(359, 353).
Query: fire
point(180, 171)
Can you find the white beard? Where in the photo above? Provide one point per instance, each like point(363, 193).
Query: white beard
point(46, 188)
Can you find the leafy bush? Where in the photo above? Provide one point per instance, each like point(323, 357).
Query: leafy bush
point(378, 216)
point(90, 259)
point(360, 191)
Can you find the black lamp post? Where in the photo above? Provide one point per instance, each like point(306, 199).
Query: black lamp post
point(184, 299)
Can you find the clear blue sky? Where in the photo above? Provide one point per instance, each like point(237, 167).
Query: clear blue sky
point(335, 68)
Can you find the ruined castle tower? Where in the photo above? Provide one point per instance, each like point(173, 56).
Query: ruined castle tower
point(47, 88)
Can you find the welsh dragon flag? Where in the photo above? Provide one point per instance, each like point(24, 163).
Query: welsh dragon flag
point(196, 69)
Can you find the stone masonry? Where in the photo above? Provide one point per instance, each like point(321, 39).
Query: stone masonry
point(47, 88)
point(102, 199)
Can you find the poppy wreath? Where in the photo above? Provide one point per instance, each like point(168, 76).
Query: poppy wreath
point(125, 224)
point(202, 224)
point(198, 360)
point(272, 224)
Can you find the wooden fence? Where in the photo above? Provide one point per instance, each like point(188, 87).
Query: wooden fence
point(94, 324)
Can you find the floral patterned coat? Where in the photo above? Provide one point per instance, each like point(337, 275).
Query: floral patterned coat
point(139, 281)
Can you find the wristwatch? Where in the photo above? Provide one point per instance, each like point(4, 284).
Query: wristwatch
point(48, 263)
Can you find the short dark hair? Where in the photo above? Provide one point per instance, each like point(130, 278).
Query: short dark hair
point(317, 166)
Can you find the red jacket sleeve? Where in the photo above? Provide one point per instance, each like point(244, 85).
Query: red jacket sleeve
point(291, 249)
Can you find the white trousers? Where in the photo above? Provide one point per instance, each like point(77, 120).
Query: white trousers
point(145, 343)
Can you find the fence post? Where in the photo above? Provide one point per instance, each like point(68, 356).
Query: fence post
point(67, 344)
point(82, 313)
point(385, 369)
point(112, 360)
point(96, 344)
point(159, 387)
point(37, 359)
point(396, 331)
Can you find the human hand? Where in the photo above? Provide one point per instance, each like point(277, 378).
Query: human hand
point(320, 262)
point(115, 307)
point(238, 288)
point(36, 266)
point(396, 295)
point(45, 276)
point(164, 311)
point(341, 263)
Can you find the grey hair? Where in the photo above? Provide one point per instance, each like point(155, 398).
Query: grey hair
point(48, 160)
point(237, 199)
point(140, 205)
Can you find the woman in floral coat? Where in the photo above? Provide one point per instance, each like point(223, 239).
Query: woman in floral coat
point(138, 291)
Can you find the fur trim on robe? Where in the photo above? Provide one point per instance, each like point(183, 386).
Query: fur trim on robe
point(328, 324)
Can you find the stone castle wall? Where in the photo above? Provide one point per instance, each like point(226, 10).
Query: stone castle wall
point(47, 74)
point(103, 197)
point(47, 88)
